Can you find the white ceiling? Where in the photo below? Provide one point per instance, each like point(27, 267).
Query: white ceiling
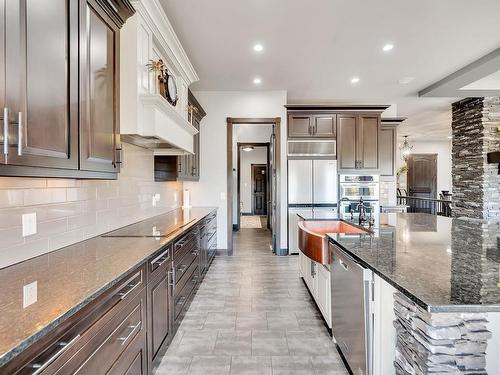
point(313, 48)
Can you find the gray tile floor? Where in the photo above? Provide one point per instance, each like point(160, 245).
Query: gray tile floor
point(252, 315)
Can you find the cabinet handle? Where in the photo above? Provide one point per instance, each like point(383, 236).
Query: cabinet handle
point(6, 131)
point(181, 300)
point(160, 259)
point(20, 134)
point(119, 158)
point(180, 165)
point(64, 347)
point(130, 285)
point(132, 332)
point(182, 268)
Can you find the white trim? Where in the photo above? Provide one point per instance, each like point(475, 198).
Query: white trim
point(154, 16)
point(156, 101)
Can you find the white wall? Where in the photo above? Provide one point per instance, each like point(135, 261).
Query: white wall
point(257, 156)
point(443, 151)
point(211, 190)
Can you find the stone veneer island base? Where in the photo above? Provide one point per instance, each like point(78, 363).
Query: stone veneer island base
point(438, 343)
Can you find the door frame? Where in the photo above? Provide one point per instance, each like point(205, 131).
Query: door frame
point(435, 155)
point(239, 145)
point(276, 122)
point(266, 166)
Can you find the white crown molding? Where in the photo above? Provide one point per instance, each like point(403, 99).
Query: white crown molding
point(154, 16)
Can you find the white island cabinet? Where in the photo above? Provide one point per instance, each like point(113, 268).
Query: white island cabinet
point(317, 278)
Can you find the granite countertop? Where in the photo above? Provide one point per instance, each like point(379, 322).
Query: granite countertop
point(443, 264)
point(69, 278)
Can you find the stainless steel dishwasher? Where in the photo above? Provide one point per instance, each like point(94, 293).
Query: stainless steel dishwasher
point(352, 318)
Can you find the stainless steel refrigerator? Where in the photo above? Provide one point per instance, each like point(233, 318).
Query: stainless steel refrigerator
point(312, 188)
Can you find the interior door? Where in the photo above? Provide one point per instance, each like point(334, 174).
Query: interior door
point(422, 175)
point(259, 184)
point(98, 89)
point(41, 82)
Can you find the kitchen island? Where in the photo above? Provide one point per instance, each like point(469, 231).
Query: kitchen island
point(436, 293)
point(447, 304)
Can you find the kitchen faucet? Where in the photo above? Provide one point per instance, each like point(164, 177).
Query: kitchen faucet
point(362, 211)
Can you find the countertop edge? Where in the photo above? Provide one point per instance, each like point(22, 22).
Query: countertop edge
point(27, 342)
point(428, 307)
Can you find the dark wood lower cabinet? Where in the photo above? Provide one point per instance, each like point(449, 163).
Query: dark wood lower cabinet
point(128, 328)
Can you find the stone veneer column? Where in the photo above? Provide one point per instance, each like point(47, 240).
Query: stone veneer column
point(476, 184)
point(438, 343)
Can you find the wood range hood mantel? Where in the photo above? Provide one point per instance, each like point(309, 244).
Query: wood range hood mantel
point(147, 119)
point(161, 127)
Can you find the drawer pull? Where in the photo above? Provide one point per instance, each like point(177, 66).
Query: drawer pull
point(124, 295)
point(182, 268)
point(134, 329)
point(65, 345)
point(195, 253)
point(161, 259)
point(181, 300)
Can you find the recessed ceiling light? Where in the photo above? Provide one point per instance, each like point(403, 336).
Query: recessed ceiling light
point(354, 80)
point(247, 148)
point(387, 47)
point(406, 80)
point(258, 47)
point(257, 81)
point(450, 137)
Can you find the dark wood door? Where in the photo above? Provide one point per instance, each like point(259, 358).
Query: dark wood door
point(259, 194)
point(98, 89)
point(346, 141)
point(367, 142)
point(324, 126)
point(41, 82)
point(160, 312)
point(422, 175)
point(299, 126)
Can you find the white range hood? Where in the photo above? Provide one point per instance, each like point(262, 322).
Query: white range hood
point(147, 119)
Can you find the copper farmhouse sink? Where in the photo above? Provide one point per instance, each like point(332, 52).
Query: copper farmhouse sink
point(312, 239)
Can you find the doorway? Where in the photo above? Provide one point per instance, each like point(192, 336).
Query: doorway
point(267, 194)
point(253, 190)
point(422, 175)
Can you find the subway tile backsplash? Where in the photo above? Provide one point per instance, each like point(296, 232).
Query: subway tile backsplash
point(69, 210)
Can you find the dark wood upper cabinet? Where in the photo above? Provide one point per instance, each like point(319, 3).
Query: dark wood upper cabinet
point(59, 87)
point(358, 142)
point(367, 142)
point(324, 126)
point(299, 126)
point(40, 90)
point(99, 89)
point(311, 126)
point(346, 142)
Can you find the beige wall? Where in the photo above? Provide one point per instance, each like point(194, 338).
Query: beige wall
point(70, 211)
point(212, 188)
